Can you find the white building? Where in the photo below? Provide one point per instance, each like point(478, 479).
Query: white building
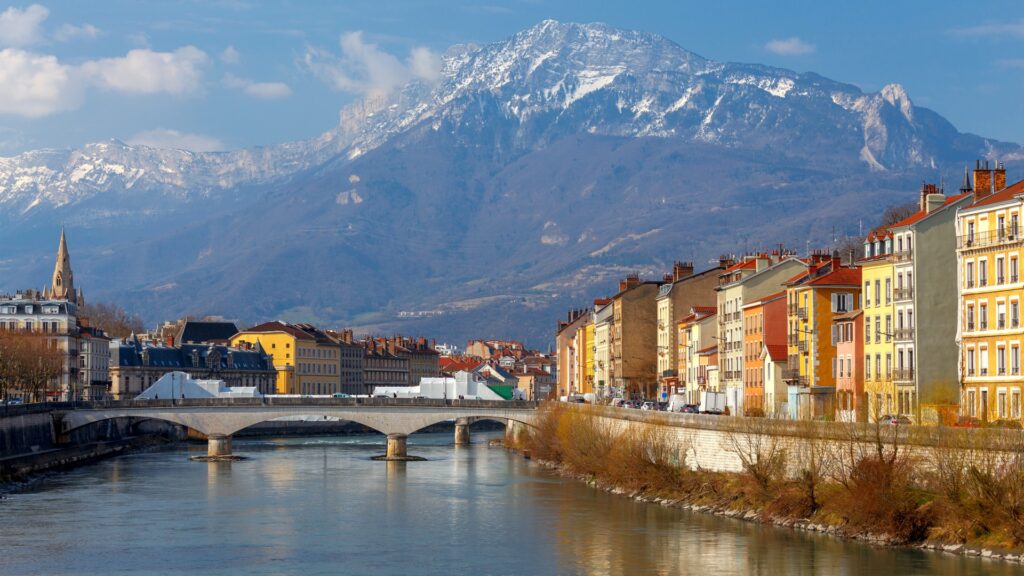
point(179, 385)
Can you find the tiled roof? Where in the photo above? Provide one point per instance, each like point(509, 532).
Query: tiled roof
point(921, 214)
point(746, 264)
point(1005, 194)
point(838, 277)
point(705, 309)
point(709, 349)
point(277, 326)
point(848, 315)
point(777, 352)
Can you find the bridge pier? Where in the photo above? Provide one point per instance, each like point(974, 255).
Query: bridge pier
point(396, 447)
point(462, 431)
point(218, 445)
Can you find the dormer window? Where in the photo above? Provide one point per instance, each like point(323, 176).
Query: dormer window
point(8, 309)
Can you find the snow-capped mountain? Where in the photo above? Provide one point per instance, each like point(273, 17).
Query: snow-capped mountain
point(482, 196)
point(549, 80)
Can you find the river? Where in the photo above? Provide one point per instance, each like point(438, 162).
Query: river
point(321, 506)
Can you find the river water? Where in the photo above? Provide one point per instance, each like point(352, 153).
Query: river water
point(321, 506)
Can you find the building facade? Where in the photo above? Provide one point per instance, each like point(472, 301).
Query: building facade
point(989, 246)
point(682, 289)
point(764, 323)
point(307, 360)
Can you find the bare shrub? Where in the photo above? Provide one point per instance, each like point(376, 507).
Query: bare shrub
point(542, 440)
point(584, 441)
point(648, 457)
point(761, 452)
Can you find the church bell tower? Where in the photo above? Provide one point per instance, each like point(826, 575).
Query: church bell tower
point(63, 286)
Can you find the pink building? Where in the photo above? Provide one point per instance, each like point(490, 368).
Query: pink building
point(848, 366)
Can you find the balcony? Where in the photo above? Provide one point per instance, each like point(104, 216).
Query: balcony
point(906, 374)
point(982, 281)
point(802, 346)
point(791, 375)
point(985, 239)
point(901, 294)
point(970, 326)
point(904, 334)
point(792, 339)
point(801, 313)
point(904, 256)
point(669, 374)
point(1000, 279)
point(983, 371)
point(969, 283)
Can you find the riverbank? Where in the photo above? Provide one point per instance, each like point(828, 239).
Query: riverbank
point(880, 497)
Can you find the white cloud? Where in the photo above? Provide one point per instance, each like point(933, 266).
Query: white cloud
point(792, 46)
point(264, 90)
point(69, 32)
point(143, 71)
point(36, 85)
point(22, 27)
point(364, 68)
point(230, 55)
point(1008, 29)
point(173, 139)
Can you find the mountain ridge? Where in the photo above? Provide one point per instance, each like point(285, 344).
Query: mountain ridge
point(474, 202)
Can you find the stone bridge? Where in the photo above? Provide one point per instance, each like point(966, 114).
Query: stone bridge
point(218, 419)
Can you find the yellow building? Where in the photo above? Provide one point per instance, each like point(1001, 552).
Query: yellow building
point(989, 246)
point(814, 298)
point(307, 360)
point(877, 277)
point(588, 358)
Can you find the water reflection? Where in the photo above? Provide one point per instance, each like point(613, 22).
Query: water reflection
point(321, 506)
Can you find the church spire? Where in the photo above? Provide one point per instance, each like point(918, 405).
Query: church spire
point(63, 287)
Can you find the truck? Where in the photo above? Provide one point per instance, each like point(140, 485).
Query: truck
point(676, 402)
point(712, 402)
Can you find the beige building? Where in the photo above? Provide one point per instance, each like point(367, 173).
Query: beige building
point(52, 316)
point(603, 312)
point(925, 302)
point(681, 291)
point(633, 341)
point(696, 335)
point(567, 354)
point(756, 276)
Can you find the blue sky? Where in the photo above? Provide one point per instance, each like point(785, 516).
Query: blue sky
point(215, 74)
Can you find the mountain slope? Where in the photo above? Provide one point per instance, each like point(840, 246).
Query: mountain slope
point(532, 174)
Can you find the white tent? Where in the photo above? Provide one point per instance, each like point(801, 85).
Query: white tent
point(178, 385)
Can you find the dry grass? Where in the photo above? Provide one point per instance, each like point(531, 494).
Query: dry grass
point(970, 488)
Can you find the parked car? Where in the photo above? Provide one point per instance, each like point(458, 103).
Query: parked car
point(691, 409)
point(1004, 423)
point(648, 406)
point(12, 402)
point(968, 422)
point(662, 406)
point(897, 420)
point(340, 395)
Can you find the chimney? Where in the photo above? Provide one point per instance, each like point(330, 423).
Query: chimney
point(982, 180)
point(934, 202)
point(999, 177)
point(927, 190)
point(726, 261)
point(631, 281)
point(682, 270)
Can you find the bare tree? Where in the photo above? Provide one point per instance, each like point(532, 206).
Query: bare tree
point(112, 319)
point(894, 214)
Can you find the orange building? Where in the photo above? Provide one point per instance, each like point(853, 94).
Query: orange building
point(764, 322)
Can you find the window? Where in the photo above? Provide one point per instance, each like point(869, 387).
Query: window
point(1001, 403)
point(878, 366)
point(867, 329)
point(972, 406)
point(970, 317)
point(970, 233)
point(1015, 359)
point(867, 366)
point(969, 275)
point(888, 365)
point(1015, 403)
point(1001, 315)
point(983, 316)
point(888, 290)
point(842, 302)
point(983, 361)
point(1015, 314)
point(888, 328)
point(1014, 270)
point(1001, 360)
point(878, 329)
point(982, 273)
point(878, 292)
point(867, 294)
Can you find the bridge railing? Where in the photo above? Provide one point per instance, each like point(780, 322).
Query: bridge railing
point(272, 401)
